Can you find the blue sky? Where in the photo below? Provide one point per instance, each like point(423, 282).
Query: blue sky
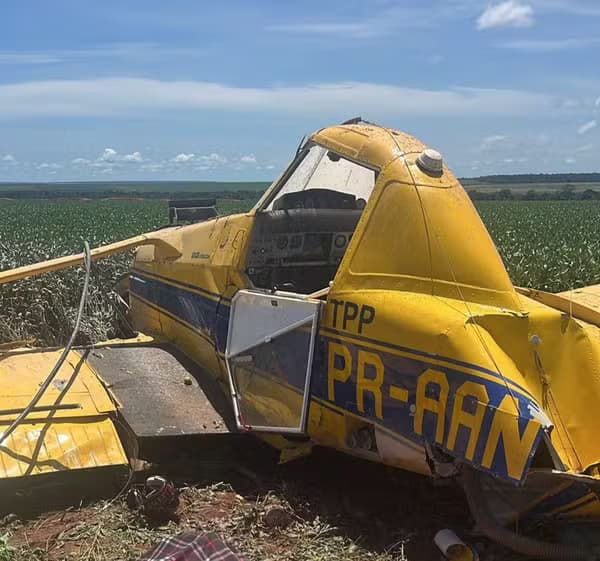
point(225, 90)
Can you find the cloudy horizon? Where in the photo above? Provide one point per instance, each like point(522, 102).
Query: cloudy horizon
point(179, 91)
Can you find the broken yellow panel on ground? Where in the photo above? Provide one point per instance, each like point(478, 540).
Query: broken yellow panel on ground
point(71, 429)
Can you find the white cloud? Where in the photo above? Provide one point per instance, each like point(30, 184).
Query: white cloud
point(584, 148)
point(130, 96)
point(549, 45)
point(152, 167)
point(357, 30)
point(491, 141)
point(597, 102)
point(99, 164)
point(134, 157)
point(570, 161)
point(109, 155)
point(213, 159)
point(183, 158)
point(202, 162)
point(49, 166)
point(136, 51)
point(248, 159)
point(385, 17)
point(80, 162)
point(28, 58)
point(587, 127)
point(570, 103)
point(8, 158)
point(510, 13)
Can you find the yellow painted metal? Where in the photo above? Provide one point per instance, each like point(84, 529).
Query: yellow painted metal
point(581, 303)
point(418, 233)
point(420, 256)
point(18, 348)
point(79, 436)
point(157, 240)
point(212, 257)
point(588, 296)
point(423, 258)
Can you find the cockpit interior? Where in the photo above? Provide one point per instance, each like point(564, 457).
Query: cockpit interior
point(303, 228)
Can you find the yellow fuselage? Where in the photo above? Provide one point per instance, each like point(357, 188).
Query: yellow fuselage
point(424, 356)
point(423, 339)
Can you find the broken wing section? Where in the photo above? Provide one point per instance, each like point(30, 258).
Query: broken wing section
point(588, 299)
point(581, 303)
point(71, 426)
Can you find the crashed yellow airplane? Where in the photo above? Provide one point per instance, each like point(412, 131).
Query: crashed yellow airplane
point(361, 305)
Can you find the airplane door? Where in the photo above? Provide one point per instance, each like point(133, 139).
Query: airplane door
point(269, 355)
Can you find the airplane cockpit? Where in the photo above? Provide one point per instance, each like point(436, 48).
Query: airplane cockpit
point(303, 228)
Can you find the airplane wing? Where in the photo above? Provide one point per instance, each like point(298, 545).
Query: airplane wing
point(588, 296)
point(582, 303)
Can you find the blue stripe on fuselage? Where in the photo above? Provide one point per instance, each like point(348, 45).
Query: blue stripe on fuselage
point(381, 407)
point(203, 312)
point(210, 315)
point(178, 298)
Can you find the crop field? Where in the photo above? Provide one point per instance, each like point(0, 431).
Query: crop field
point(550, 245)
point(521, 187)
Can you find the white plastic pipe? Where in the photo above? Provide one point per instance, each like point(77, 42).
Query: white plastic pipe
point(453, 547)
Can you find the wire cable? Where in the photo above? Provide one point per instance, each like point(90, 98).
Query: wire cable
point(44, 386)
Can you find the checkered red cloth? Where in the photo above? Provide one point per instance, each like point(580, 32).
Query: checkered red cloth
point(191, 546)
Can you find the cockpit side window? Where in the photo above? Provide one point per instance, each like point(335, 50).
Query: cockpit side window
point(324, 179)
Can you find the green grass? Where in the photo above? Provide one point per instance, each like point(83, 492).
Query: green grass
point(44, 307)
point(7, 553)
point(550, 245)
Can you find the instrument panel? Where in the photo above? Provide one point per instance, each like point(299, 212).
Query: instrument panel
point(299, 248)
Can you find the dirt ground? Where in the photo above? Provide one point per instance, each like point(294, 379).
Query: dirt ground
point(324, 507)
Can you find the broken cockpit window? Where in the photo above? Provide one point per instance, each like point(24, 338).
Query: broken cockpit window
point(325, 180)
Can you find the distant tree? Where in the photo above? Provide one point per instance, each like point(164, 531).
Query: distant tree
point(537, 178)
point(589, 195)
point(567, 192)
point(505, 195)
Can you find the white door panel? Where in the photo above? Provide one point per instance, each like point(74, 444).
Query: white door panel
point(269, 355)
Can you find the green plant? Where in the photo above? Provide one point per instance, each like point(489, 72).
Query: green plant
point(549, 245)
point(7, 553)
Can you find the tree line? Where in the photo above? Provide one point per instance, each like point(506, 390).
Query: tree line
point(120, 194)
point(565, 193)
point(533, 178)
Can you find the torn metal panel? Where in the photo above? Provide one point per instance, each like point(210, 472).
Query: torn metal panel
point(47, 446)
point(71, 428)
